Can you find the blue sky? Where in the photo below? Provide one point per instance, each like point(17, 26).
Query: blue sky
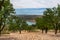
point(33, 7)
point(30, 11)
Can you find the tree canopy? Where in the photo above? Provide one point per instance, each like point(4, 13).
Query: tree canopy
point(6, 10)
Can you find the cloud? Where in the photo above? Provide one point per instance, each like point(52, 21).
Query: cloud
point(35, 3)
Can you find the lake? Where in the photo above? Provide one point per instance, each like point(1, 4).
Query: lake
point(30, 23)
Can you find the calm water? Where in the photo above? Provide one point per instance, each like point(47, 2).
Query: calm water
point(30, 23)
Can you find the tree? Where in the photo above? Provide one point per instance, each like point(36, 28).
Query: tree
point(40, 23)
point(15, 23)
point(24, 25)
point(48, 17)
point(19, 24)
point(58, 11)
point(52, 17)
point(6, 9)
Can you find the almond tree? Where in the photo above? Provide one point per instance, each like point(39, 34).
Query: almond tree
point(6, 9)
point(40, 23)
point(52, 18)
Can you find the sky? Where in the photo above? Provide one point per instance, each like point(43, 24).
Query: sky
point(33, 7)
point(35, 3)
point(30, 11)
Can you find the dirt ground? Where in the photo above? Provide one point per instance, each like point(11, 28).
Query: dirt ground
point(30, 36)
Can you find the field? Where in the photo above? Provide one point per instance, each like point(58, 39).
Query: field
point(30, 36)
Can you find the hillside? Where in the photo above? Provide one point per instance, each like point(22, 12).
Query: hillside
point(29, 17)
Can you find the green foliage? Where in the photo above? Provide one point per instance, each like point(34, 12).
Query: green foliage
point(30, 29)
point(14, 23)
point(39, 23)
point(17, 24)
point(6, 10)
point(50, 19)
point(24, 25)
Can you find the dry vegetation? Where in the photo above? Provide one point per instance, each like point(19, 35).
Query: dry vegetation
point(30, 36)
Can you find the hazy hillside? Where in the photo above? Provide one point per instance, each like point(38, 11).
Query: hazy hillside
point(29, 17)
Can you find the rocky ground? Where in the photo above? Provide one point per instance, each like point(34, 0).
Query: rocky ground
point(30, 36)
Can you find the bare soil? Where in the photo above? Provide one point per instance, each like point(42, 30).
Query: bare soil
point(30, 36)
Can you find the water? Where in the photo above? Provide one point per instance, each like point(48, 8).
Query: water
point(30, 23)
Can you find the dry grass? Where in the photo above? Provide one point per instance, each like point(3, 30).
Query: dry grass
point(30, 36)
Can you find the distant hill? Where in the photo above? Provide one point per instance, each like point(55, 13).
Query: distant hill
point(29, 17)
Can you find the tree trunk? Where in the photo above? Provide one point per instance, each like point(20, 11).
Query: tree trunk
point(56, 28)
point(0, 25)
point(46, 30)
point(20, 31)
point(42, 31)
point(0, 32)
point(2, 28)
point(55, 31)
